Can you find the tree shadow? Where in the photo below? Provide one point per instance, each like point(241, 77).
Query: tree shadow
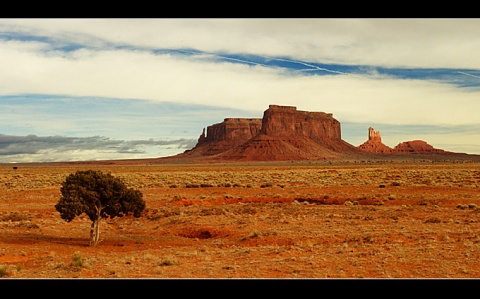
point(34, 238)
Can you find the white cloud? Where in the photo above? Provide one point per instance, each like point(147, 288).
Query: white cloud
point(33, 148)
point(383, 42)
point(142, 75)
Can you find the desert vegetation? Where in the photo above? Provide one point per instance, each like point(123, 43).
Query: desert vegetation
point(284, 220)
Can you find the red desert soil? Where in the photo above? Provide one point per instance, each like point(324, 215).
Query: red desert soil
point(251, 220)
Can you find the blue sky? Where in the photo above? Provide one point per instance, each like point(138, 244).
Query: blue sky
point(94, 89)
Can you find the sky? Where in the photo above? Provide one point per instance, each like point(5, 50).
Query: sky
point(102, 89)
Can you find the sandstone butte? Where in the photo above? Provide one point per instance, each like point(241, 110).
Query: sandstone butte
point(285, 133)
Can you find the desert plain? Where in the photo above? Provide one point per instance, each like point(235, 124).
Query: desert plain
point(313, 219)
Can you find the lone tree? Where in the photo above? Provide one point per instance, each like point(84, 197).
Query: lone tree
point(98, 195)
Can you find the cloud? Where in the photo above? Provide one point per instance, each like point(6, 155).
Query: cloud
point(32, 148)
point(127, 119)
point(143, 75)
point(406, 42)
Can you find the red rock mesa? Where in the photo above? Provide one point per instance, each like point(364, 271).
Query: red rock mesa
point(284, 133)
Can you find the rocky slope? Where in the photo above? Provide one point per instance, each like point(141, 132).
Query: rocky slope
point(418, 146)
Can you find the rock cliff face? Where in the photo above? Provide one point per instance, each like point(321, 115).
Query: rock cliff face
point(374, 143)
point(284, 133)
point(226, 135)
point(287, 120)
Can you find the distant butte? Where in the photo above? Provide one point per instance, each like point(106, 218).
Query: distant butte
point(374, 145)
point(285, 133)
point(418, 147)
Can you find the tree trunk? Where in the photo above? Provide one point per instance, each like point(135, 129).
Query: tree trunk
point(95, 230)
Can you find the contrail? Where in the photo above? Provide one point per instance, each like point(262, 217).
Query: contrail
point(467, 74)
point(241, 60)
point(225, 57)
point(311, 67)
